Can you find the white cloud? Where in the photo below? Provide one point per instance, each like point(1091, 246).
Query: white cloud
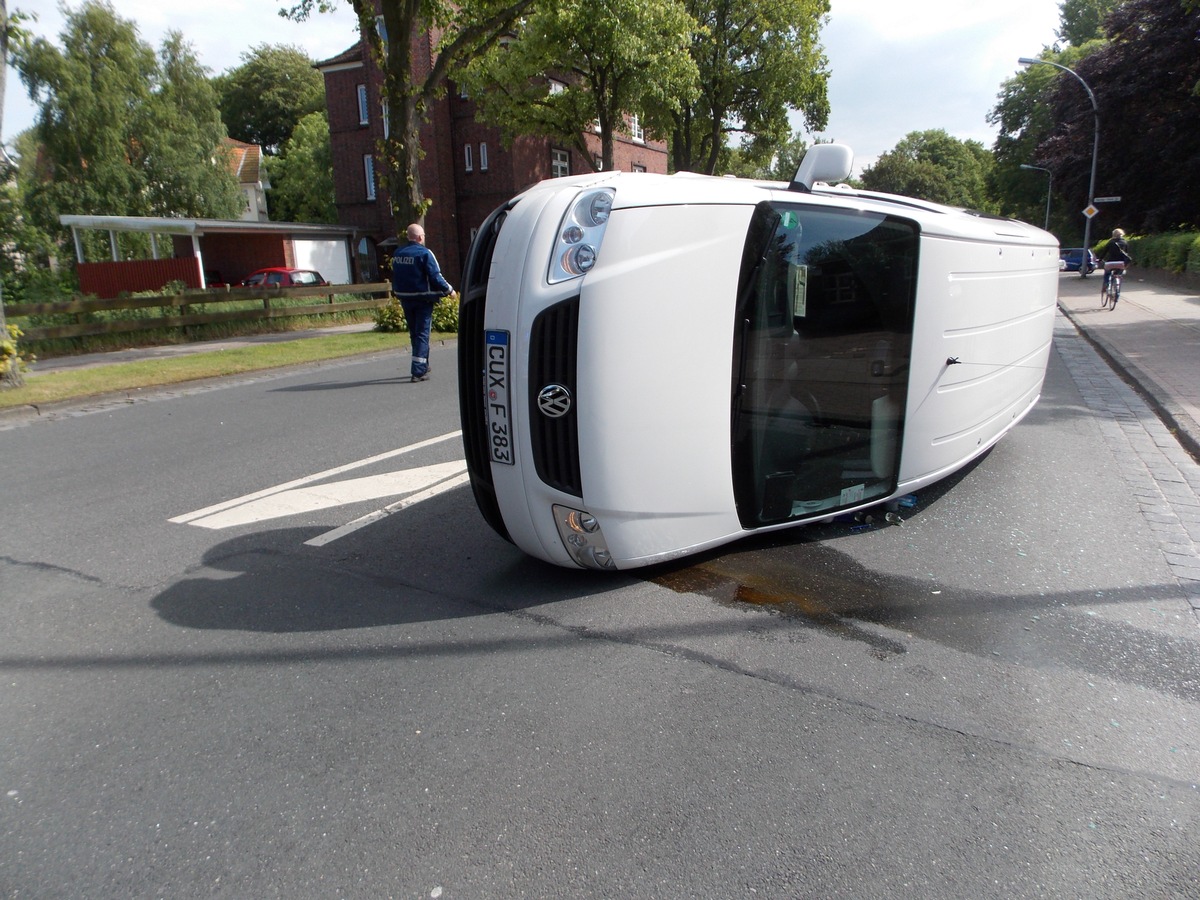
point(897, 68)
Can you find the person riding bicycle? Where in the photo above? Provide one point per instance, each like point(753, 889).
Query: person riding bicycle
point(1116, 253)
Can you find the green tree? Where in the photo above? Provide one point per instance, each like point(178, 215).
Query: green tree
point(118, 133)
point(9, 211)
point(1024, 118)
point(757, 60)
point(24, 249)
point(179, 143)
point(1144, 78)
point(12, 33)
point(302, 175)
point(264, 98)
point(462, 31)
point(932, 165)
point(780, 167)
point(613, 58)
point(1081, 21)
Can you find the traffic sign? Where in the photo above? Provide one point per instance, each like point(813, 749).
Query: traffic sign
point(1090, 211)
point(1106, 199)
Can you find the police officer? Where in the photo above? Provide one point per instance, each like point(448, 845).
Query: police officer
point(418, 283)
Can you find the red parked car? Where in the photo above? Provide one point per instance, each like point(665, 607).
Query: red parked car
point(281, 277)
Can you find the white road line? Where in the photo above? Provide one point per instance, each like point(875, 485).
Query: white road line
point(350, 527)
point(332, 493)
point(308, 479)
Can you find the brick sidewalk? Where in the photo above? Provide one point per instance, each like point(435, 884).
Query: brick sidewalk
point(1153, 336)
point(1147, 401)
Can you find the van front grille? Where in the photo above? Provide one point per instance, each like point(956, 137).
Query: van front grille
point(553, 357)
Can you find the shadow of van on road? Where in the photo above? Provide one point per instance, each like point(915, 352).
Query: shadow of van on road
point(434, 561)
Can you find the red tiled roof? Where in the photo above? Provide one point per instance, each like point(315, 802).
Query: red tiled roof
point(245, 160)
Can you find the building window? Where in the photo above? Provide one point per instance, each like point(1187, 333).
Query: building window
point(468, 159)
point(635, 130)
point(598, 162)
point(560, 163)
point(386, 125)
point(556, 87)
point(368, 266)
point(363, 117)
point(483, 162)
point(638, 167)
point(369, 173)
point(381, 30)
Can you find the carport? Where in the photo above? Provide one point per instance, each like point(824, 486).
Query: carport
point(202, 253)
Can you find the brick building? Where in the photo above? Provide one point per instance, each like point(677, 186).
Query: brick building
point(467, 172)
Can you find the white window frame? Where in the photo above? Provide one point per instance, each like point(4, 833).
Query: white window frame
point(636, 131)
point(369, 174)
point(468, 158)
point(386, 125)
point(483, 157)
point(560, 163)
point(364, 116)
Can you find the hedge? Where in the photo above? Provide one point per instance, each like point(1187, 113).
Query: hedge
point(1176, 252)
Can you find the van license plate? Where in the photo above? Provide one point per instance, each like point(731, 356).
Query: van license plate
point(496, 393)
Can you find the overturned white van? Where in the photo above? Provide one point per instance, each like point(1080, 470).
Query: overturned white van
point(655, 365)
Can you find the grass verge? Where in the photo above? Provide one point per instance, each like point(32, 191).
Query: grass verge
point(56, 387)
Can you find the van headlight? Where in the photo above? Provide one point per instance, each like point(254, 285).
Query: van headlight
point(581, 535)
point(580, 234)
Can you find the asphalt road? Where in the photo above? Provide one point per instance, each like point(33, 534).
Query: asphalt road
point(344, 685)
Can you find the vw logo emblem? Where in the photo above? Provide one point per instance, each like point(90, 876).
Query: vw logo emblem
point(554, 401)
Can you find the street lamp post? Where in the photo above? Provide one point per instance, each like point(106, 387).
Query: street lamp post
point(1087, 225)
point(1049, 187)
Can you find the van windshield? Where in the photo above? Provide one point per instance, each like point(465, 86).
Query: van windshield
point(821, 352)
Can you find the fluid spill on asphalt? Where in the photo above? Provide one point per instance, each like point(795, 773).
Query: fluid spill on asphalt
point(824, 589)
point(799, 575)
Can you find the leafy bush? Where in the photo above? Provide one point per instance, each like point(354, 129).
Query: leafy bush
point(12, 360)
point(1145, 250)
point(1174, 252)
point(445, 315)
point(390, 316)
point(38, 284)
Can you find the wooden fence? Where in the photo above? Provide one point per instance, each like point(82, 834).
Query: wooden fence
point(268, 304)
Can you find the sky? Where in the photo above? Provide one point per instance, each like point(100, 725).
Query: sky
point(895, 67)
point(900, 67)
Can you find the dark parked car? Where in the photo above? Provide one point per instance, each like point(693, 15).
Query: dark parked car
point(281, 277)
point(1073, 256)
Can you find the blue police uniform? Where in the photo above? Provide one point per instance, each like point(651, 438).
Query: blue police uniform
point(418, 283)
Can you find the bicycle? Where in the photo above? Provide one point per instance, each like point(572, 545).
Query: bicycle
point(1111, 292)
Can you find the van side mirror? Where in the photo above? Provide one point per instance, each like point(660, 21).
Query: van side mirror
point(822, 162)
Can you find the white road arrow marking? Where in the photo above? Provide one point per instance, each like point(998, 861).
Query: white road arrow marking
point(363, 521)
point(333, 493)
point(303, 495)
